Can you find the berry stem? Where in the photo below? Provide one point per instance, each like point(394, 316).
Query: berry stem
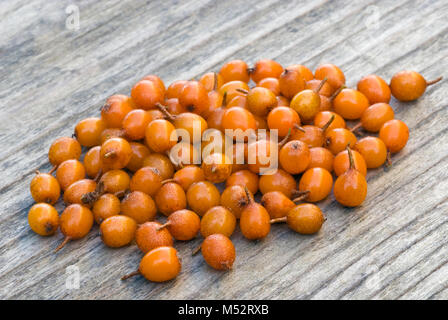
point(215, 81)
point(196, 250)
point(297, 127)
point(249, 195)
point(428, 83)
point(303, 196)
point(278, 220)
point(325, 127)
point(130, 275)
point(63, 243)
point(335, 94)
point(168, 180)
point(285, 139)
point(242, 90)
point(321, 84)
point(359, 125)
point(163, 226)
point(350, 157)
point(388, 159)
point(165, 112)
point(52, 169)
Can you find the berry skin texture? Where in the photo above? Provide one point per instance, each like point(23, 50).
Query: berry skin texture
point(235, 70)
point(260, 101)
point(283, 119)
point(395, 135)
point(160, 264)
point(277, 204)
point(170, 198)
point(373, 150)
point(244, 178)
point(317, 182)
point(92, 162)
point(255, 220)
point(139, 153)
point(375, 116)
point(115, 153)
point(45, 188)
point(265, 68)
point(76, 191)
point(235, 199)
point(160, 135)
point(375, 89)
point(217, 167)
point(342, 162)
point(115, 109)
point(218, 220)
point(135, 123)
point(305, 218)
point(238, 118)
point(218, 251)
point(146, 94)
point(338, 139)
point(294, 157)
point(115, 181)
point(62, 149)
point(147, 180)
point(279, 181)
point(321, 158)
point(75, 223)
point(148, 237)
point(183, 225)
point(139, 206)
point(69, 172)
point(88, 131)
point(106, 206)
point(291, 82)
point(350, 104)
point(350, 188)
point(334, 75)
point(194, 97)
point(161, 162)
point(202, 196)
point(307, 104)
point(118, 231)
point(43, 219)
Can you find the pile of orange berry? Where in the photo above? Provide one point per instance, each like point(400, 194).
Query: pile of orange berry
point(129, 174)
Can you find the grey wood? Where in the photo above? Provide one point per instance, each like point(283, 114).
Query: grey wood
point(392, 247)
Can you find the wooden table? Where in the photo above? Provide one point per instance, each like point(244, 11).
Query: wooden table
point(53, 75)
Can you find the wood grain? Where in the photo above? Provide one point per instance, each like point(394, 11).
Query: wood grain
point(392, 247)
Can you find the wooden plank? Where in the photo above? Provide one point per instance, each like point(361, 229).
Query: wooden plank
point(394, 246)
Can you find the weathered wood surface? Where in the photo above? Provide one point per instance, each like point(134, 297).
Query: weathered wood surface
point(394, 246)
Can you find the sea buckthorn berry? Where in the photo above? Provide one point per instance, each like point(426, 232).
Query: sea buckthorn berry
point(307, 103)
point(173, 106)
point(218, 251)
point(43, 219)
point(395, 135)
point(110, 133)
point(45, 188)
point(148, 237)
point(277, 204)
point(373, 150)
point(92, 162)
point(160, 135)
point(217, 167)
point(316, 184)
point(118, 231)
point(158, 265)
point(194, 97)
point(283, 119)
point(324, 89)
point(326, 103)
point(338, 139)
point(409, 85)
point(139, 153)
point(174, 89)
point(294, 157)
point(235, 199)
point(244, 178)
point(321, 158)
point(322, 118)
point(342, 162)
point(305, 218)
point(106, 206)
point(188, 175)
point(374, 88)
point(135, 123)
point(233, 89)
point(218, 220)
point(76, 192)
point(139, 206)
point(312, 136)
point(270, 83)
point(115, 153)
point(237, 101)
point(304, 71)
point(278, 181)
point(147, 180)
point(212, 81)
point(146, 94)
point(235, 70)
point(291, 82)
point(375, 116)
point(156, 80)
point(265, 68)
point(170, 197)
point(350, 104)
point(201, 196)
point(254, 220)
point(115, 109)
point(239, 156)
point(75, 223)
point(62, 149)
point(69, 172)
point(238, 118)
point(215, 101)
point(88, 131)
point(183, 225)
point(260, 101)
point(187, 121)
point(282, 101)
point(214, 119)
point(350, 188)
point(161, 162)
point(115, 181)
point(334, 75)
